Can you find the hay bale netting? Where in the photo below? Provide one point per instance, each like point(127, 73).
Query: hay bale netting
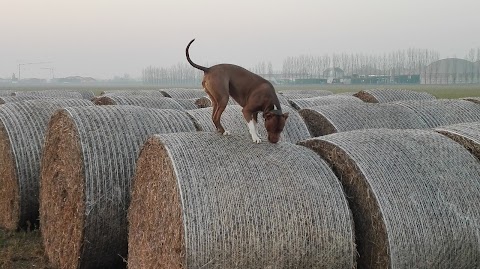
point(467, 134)
point(187, 104)
point(243, 206)
point(143, 101)
point(301, 94)
point(412, 194)
point(392, 95)
point(324, 100)
point(323, 120)
point(87, 166)
point(443, 111)
point(22, 129)
point(51, 94)
point(10, 99)
point(232, 120)
point(472, 99)
point(155, 93)
point(178, 93)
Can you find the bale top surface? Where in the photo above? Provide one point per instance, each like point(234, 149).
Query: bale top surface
point(232, 120)
point(142, 101)
point(300, 94)
point(239, 205)
point(322, 120)
point(179, 93)
point(324, 100)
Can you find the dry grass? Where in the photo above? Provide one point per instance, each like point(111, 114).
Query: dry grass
point(22, 250)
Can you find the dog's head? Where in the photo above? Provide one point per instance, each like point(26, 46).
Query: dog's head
point(274, 123)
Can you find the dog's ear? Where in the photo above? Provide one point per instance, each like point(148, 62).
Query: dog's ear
point(285, 116)
point(268, 115)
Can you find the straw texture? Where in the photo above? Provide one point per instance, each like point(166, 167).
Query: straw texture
point(323, 120)
point(178, 93)
point(232, 119)
point(392, 95)
point(50, 93)
point(467, 134)
point(324, 100)
point(87, 166)
point(412, 194)
point(143, 101)
point(201, 200)
point(22, 129)
point(301, 94)
point(443, 111)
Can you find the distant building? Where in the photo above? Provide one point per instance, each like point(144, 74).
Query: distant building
point(451, 71)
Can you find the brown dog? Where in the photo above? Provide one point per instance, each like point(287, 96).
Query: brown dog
point(251, 91)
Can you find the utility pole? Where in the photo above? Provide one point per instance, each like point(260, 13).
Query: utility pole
point(20, 64)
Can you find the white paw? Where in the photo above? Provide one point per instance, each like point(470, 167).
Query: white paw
point(256, 140)
point(226, 133)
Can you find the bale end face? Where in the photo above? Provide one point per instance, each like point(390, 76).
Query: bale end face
point(154, 184)
point(317, 124)
point(103, 101)
point(366, 97)
point(370, 231)
point(62, 193)
point(9, 191)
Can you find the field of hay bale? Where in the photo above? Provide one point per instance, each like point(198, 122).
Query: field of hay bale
point(138, 178)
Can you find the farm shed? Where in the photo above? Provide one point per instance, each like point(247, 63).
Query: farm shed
point(411, 193)
point(392, 95)
point(22, 129)
point(232, 120)
point(467, 134)
point(324, 100)
point(323, 120)
point(87, 167)
point(138, 100)
point(244, 206)
point(443, 111)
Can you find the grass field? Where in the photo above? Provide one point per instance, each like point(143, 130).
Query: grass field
point(24, 249)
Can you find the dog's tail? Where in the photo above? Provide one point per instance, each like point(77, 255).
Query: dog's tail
point(204, 69)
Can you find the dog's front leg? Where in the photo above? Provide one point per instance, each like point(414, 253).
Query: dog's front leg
point(252, 126)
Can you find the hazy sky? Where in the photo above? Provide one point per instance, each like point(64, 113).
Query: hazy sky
point(104, 38)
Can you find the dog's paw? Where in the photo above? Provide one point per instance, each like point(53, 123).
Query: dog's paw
point(256, 140)
point(226, 133)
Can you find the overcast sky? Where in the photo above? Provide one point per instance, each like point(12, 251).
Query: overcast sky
point(104, 38)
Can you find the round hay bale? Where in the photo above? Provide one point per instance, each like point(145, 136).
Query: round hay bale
point(323, 120)
point(301, 94)
point(10, 99)
point(324, 100)
point(87, 166)
point(232, 119)
point(178, 93)
point(200, 200)
point(51, 94)
point(467, 134)
point(443, 111)
point(155, 93)
point(411, 193)
point(142, 101)
point(392, 95)
point(22, 129)
point(187, 104)
point(472, 99)
point(6, 92)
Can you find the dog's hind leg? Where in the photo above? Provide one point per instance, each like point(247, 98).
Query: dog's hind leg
point(217, 114)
